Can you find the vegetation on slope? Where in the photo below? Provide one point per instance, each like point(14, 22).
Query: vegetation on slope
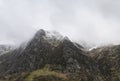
point(45, 75)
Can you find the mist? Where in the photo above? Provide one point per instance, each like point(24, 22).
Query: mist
point(94, 21)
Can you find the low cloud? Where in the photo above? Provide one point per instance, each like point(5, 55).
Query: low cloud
point(93, 21)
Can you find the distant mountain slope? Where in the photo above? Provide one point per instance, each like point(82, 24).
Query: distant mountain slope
point(5, 48)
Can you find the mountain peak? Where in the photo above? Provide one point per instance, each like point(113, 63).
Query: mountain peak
point(40, 32)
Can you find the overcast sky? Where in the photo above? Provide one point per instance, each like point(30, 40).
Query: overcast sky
point(93, 21)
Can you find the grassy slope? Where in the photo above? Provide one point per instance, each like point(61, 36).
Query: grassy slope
point(45, 72)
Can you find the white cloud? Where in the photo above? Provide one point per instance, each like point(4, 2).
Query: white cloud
point(94, 21)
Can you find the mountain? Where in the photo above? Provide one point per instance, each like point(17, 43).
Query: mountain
point(108, 60)
point(52, 57)
point(5, 48)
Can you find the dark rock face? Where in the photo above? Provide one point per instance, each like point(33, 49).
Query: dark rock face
point(108, 60)
point(62, 55)
point(30, 58)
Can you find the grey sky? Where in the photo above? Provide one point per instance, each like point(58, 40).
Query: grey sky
point(93, 21)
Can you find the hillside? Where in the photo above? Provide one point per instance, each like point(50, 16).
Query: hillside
point(52, 57)
point(108, 60)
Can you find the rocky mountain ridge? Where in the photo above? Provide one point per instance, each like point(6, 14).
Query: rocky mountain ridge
point(53, 56)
